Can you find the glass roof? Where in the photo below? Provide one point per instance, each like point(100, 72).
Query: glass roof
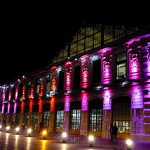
point(92, 37)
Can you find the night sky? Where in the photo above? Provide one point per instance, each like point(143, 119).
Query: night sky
point(29, 41)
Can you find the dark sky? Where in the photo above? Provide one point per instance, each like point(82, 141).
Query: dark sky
point(30, 40)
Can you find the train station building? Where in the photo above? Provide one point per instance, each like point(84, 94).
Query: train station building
point(102, 76)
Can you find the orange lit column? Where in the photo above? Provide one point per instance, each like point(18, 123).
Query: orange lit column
point(52, 115)
point(30, 112)
point(40, 103)
point(40, 114)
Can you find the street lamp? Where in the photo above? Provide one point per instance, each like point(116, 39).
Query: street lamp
point(91, 140)
point(29, 131)
point(64, 137)
point(7, 128)
point(129, 144)
point(44, 134)
point(17, 130)
point(0, 127)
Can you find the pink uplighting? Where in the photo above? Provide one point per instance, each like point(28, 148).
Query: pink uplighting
point(67, 103)
point(68, 75)
point(16, 93)
point(84, 98)
point(15, 107)
point(137, 97)
point(9, 96)
point(3, 106)
point(134, 64)
point(85, 77)
point(8, 108)
point(107, 100)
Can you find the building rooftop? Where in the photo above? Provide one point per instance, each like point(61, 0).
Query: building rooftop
point(92, 37)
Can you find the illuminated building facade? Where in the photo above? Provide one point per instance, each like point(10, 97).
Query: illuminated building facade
point(101, 76)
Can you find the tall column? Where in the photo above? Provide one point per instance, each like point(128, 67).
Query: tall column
point(85, 71)
point(107, 117)
point(66, 122)
point(84, 114)
point(51, 127)
point(107, 63)
point(30, 112)
point(40, 114)
point(22, 113)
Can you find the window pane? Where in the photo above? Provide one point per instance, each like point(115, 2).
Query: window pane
point(121, 57)
point(75, 119)
point(121, 70)
point(96, 120)
point(59, 118)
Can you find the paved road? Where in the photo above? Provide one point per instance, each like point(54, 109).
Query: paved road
point(10, 141)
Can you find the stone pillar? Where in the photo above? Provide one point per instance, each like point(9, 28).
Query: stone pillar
point(84, 123)
point(14, 117)
point(51, 127)
point(30, 120)
point(40, 118)
point(66, 122)
point(107, 119)
point(7, 119)
point(21, 119)
point(137, 121)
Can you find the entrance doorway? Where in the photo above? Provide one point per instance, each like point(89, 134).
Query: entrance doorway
point(121, 107)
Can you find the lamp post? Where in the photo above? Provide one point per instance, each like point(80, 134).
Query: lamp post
point(129, 144)
point(64, 137)
point(91, 140)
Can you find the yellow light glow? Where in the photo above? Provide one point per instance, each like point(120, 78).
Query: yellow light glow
point(29, 130)
point(17, 129)
point(64, 134)
point(128, 142)
point(44, 132)
point(91, 138)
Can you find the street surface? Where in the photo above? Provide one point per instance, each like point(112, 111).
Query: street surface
point(10, 141)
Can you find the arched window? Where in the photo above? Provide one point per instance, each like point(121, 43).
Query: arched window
point(95, 115)
point(59, 115)
point(121, 114)
point(46, 113)
point(75, 115)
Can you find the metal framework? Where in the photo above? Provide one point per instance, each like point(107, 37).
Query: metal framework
point(92, 37)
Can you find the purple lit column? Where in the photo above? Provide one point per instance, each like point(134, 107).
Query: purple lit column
point(84, 114)
point(84, 98)
point(107, 99)
point(3, 99)
point(68, 75)
point(146, 59)
point(107, 63)
point(134, 63)
point(137, 96)
point(9, 98)
point(66, 121)
point(85, 68)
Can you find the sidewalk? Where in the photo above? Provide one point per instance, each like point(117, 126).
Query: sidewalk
point(82, 141)
point(100, 142)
